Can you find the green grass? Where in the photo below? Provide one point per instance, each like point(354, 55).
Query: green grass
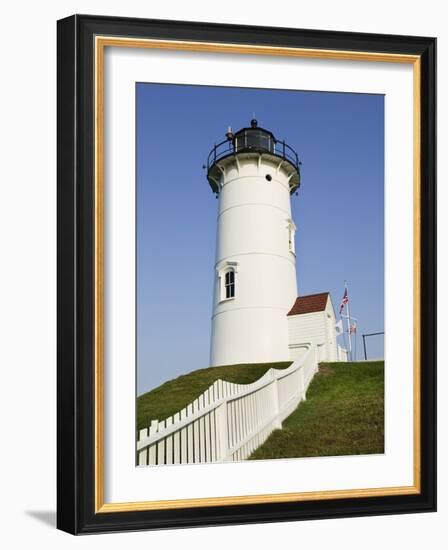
point(343, 415)
point(171, 397)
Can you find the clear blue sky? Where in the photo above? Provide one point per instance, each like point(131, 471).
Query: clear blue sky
point(339, 212)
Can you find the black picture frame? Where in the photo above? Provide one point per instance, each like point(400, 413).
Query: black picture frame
point(76, 405)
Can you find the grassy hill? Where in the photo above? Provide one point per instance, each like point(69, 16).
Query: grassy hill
point(171, 397)
point(343, 415)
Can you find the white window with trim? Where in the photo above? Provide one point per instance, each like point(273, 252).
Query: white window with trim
point(291, 229)
point(227, 281)
point(229, 284)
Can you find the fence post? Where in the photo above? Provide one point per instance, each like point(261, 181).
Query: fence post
point(143, 455)
point(276, 398)
point(152, 451)
point(302, 384)
point(222, 431)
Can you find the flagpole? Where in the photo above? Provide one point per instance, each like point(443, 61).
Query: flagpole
point(349, 323)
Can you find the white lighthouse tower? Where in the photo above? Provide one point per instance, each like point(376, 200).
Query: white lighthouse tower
point(254, 176)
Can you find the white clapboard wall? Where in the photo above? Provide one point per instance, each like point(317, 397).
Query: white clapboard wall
point(228, 421)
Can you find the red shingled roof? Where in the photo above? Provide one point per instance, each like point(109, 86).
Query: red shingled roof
point(309, 304)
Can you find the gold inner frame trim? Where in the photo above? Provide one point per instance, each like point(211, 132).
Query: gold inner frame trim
point(101, 42)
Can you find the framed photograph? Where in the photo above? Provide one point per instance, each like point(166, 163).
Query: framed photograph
point(246, 274)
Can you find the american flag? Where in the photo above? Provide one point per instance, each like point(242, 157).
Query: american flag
point(343, 302)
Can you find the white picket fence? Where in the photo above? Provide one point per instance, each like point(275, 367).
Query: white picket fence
point(228, 421)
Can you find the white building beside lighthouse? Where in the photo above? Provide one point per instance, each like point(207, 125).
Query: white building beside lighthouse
point(254, 175)
point(312, 320)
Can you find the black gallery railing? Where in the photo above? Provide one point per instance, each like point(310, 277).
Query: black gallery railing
point(253, 141)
